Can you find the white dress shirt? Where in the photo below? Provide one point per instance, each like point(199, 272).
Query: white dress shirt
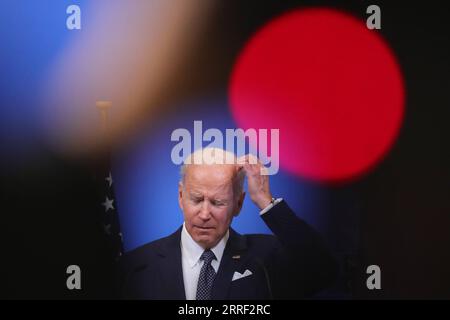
point(191, 263)
point(191, 252)
point(270, 206)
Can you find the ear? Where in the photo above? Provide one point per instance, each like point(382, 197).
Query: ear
point(240, 202)
point(180, 195)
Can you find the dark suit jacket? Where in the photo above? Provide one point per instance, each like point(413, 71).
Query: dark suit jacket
point(292, 263)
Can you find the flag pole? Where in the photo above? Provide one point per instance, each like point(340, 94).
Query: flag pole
point(104, 106)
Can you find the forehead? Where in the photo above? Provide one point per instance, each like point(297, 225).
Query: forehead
point(211, 177)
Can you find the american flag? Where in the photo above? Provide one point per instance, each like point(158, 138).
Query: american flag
point(109, 219)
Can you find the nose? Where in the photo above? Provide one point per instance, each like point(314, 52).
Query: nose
point(205, 213)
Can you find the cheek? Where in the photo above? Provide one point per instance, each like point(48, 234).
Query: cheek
point(189, 211)
point(223, 216)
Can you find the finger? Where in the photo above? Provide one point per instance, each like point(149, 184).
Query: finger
point(248, 158)
point(241, 168)
point(241, 160)
point(263, 171)
point(252, 159)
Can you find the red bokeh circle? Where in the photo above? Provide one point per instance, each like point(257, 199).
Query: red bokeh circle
point(332, 86)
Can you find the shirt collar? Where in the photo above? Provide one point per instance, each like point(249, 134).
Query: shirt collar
point(193, 251)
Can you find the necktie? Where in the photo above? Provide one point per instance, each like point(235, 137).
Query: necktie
point(206, 277)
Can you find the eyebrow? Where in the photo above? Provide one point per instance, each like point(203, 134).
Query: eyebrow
point(199, 195)
point(196, 195)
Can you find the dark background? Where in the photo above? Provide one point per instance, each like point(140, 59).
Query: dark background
point(50, 205)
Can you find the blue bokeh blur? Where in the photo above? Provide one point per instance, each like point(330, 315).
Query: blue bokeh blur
point(32, 35)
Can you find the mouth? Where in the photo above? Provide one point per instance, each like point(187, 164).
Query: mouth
point(204, 228)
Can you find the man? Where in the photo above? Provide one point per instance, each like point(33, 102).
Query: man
point(206, 259)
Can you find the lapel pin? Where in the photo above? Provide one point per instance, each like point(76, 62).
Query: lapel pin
point(236, 257)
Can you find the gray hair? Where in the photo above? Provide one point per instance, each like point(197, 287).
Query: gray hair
point(211, 155)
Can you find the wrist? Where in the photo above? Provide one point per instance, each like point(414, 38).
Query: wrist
point(263, 202)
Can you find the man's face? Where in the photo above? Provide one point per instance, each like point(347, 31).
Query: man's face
point(208, 202)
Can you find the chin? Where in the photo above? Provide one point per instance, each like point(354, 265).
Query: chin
point(205, 241)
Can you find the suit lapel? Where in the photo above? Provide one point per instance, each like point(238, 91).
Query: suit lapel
point(232, 260)
point(172, 271)
point(171, 267)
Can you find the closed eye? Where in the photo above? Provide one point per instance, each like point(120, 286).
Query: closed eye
point(196, 200)
point(218, 203)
